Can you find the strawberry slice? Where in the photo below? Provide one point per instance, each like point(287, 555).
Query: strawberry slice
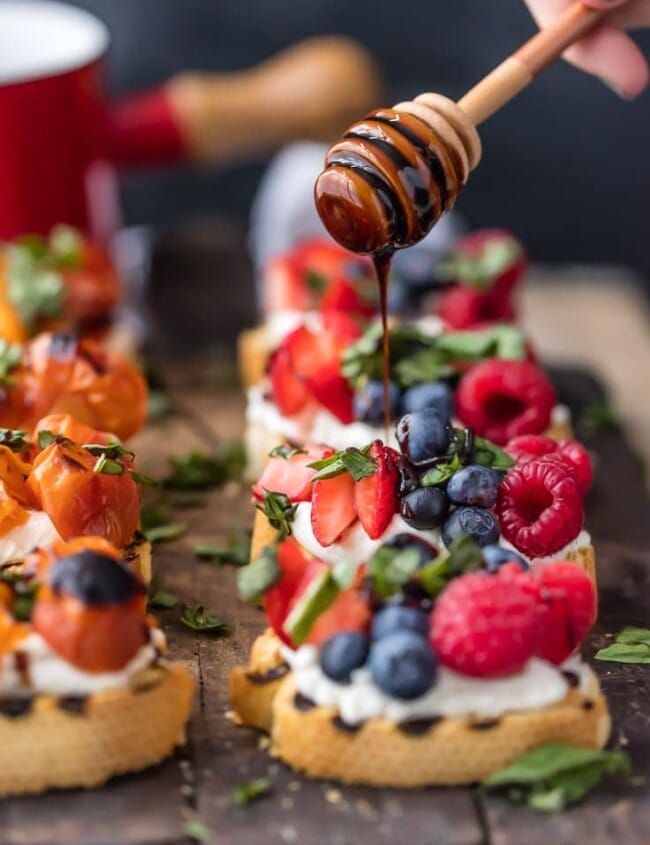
point(342, 297)
point(349, 612)
point(291, 476)
point(297, 570)
point(287, 390)
point(332, 390)
point(332, 507)
point(375, 497)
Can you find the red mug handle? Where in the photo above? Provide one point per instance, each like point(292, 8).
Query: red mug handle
point(309, 91)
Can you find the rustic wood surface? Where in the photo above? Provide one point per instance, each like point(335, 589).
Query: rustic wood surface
point(196, 786)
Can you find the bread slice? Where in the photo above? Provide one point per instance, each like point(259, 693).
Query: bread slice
point(63, 742)
point(138, 555)
point(445, 752)
point(253, 689)
point(252, 355)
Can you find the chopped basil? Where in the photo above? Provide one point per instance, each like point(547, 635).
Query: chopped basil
point(598, 417)
point(316, 282)
point(108, 466)
point(286, 452)
point(463, 555)
point(66, 245)
point(165, 533)
point(355, 461)
point(162, 599)
point(198, 830)
point(34, 286)
point(10, 359)
point(14, 439)
point(632, 645)
point(234, 552)
point(199, 470)
point(45, 438)
point(252, 790)
point(441, 472)
point(390, 569)
point(555, 775)
point(199, 618)
point(279, 511)
point(255, 579)
point(481, 269)
point(115, 451)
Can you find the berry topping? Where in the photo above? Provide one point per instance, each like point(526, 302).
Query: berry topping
point(436, 395)
point(474, 485)
point(405, 541)
point(567, 609)
point(423, 436)
point(396, 617)
point(332, 391)
point(540, 507)
point(287, 471)
point(484, 626)
point(296, 571)
point(501, 399)
point(481, 525)
point(350, 611)
point(424, 508)
point(465, 308)
point(368, 403)
point(94, 579)
point(495, 557)
point(332, 507)
point(569, 452)
point(375, 496)
point(341, 654)
point(288, 390)
point(403, 665)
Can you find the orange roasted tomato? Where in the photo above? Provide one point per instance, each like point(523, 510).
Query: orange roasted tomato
point(62, 375)
point(80, 500)
point(38, 562)
point(92, 612)
point(92, 286)
point(64, 425)
point(11, 631)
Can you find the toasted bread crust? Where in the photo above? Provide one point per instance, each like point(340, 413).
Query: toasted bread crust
point(138, 555)
point(252, 689)
point(252, 355)
point(452, 751)
point(53, 746)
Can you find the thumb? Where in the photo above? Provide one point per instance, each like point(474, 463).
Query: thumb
point(614, 57)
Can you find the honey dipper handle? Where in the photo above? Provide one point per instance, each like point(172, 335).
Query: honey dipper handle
point(518, 70)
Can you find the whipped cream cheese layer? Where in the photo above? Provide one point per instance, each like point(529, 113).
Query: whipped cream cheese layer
point(539, 684)
point(38, 530)
point(46, 672)
point(583, 539)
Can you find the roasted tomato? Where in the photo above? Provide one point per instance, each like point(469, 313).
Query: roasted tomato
point(61, 375)
point(92, 286)
point(67, 426)
point(13, 478)
point(38, 562)
point(91, 611)
point(80, 501)
point(11, 326)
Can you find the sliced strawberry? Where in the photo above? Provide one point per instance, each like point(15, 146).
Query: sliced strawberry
point(375, 497)
point(342, 297)
point(341, 330)
point(288, 390)
point(332, 507)
point(291, 476)
point(297, 569)
point(349, 612)
point(332, 390)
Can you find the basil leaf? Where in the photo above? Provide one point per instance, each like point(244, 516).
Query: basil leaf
point(257, 577)
point(14, 439)
point(165, 533)
point(34, 286)
point(200, 618)
point(318, 597)
point(279, 511)
point(199, 830)
point(597, 417)
point(252, 790)
point(154, 514)
point(355, 461)
point(480, 270)
point(442, 472)
point(115, 451)
point(344, 573)
point(632, 634)
point(108, 466)
point(424, 366)
point(66, 245)
point(632, 645)
point(463, 555)
point(316, 282)
point(390, 568)
point(500, 341)
point(10, 358)
point(198, 470)
point(234, 552)
point(162, 599)
point(488, 454)
point(286, 452)
point(45, 438)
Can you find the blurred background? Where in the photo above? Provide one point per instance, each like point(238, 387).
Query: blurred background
point(565, 166)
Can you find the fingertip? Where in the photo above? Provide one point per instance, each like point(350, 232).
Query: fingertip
point(614, 57)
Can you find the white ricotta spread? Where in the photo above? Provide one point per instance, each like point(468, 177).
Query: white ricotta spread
point(38, 530)
point(49, 673)
point(583, 539)
point(539, 684)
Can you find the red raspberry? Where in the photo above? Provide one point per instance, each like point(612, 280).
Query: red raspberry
point(570, 453)
point(484, 626)
point(540, 507)
point(500, 399)
point(465, 308)
point(567, 608)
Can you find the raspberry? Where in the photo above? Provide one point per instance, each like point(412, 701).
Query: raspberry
point(465, 308)
point(540, 507)
point(484, 626)
point(501, 399)
point(567, 608)
point(570, 453)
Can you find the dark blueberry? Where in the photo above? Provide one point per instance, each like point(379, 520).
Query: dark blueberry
point(496, 556)
point(403, 665)
point(93, 578)
point(409, 479)
point(342, 654)
point(405, 540)
point(435, 394)
point(368, 403)
point(396, 617)
point(423, 436)
point(481, 525)
point(474, 485)
point(424, 508)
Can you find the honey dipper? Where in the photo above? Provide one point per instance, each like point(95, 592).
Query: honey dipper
point(394, 173)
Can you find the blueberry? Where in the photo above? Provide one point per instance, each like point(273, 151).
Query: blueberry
point(424, 508)
point(343, 653)
point(481, 525)
point(396, 617)
point(403, 665)
point(404, 540)
point(436, 395)
point(496, 556)
point(423, 436)
point(93, 578)
point(474, 485)
point(369, 402)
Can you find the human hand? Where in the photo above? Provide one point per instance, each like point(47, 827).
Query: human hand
point(606, 52)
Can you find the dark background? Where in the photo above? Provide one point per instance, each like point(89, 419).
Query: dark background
point(565, 166)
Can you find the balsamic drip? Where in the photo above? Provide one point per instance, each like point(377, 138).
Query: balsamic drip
point(382, 262)
point(302, 702)
point(75, 704)
point(484, 725)
point(571, 678)
point(346, 727)
point(418, 727)
point(13, 708)
point(273, 674)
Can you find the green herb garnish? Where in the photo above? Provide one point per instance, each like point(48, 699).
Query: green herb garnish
point(108, 466)
point(279, 511)
point(598, 417)
point(163, 600)
point(553, 776)
point(14, 439)
point(234, 552)
point(165, 533)
point(480, 270)
point(391, 568)
point(252, 790)
point(10, 359)
point(355, 461)
point(463, 555)
point(199, 830)
point(257, 577)
point(200, 618)
point(286, 452)
point(198, 470)
point(632, 645)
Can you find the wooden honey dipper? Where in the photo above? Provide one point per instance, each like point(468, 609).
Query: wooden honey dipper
point(394, 173)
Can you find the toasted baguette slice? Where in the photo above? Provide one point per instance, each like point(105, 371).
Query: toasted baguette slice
point(138, 555)
point(82, 742)
point(252, 355)
point(446, 752)
point(253, 689)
